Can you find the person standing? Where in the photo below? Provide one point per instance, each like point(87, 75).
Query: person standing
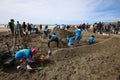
point(12, 26)
point(100, 27)
point(29, 28)
point(117, 27)
point(17, 27)
point(78, 33)
point(95, 27)
point(40, 27)
point(24, 26)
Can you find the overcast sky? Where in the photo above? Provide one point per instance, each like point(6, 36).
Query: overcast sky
point(59, 11)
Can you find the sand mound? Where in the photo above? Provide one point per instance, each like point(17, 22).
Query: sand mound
point(61, 33)
point(61, 44)
point(99, 61)
point(72, 29)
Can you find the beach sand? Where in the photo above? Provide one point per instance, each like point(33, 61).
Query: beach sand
point(3, 29)
point(85, 62)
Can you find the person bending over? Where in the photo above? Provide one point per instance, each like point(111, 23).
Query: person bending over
point(70, 40)
point(26, 55)
point(91, 39)
point(53, 37)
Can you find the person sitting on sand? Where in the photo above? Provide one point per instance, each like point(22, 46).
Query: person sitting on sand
point(26, 55)
point(53, 37)
point(70, 40)
point(78, 33)
point(91, 39)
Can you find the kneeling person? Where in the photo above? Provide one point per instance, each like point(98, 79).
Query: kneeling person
point(70, 40)
point(26, 55)
point(91, 39)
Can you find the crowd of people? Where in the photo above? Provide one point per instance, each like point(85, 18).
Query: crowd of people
point(106, 27)
point(20, 28)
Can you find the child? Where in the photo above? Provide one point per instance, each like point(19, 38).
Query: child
point(42, 58)
point(46, 31)
point(91, 40)
point(78, 33)
point(70, 40)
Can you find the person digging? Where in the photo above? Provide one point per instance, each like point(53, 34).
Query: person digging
point(53, 37)
point(26, 56)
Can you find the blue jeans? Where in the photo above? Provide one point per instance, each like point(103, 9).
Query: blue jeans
point(77, 38)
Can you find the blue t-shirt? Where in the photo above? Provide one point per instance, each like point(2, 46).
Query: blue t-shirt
point(17, 26)
point(53, 36)
point(46, 30)
point(25, 53)
point(70, 41)
point(56, 26)
point(90, 40)
point(78, 32)
point(63, 26)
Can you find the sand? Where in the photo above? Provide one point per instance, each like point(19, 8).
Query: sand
point(3, 29)
point(99, 61)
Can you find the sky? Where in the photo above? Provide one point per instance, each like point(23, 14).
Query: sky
point(59, 11)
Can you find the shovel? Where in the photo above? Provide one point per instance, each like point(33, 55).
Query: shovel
point(39, 68)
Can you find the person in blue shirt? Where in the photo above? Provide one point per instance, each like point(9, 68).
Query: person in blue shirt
point(26, 55)
point(56, 26)
point(17, 25)
point(63, 26)
point(53, 37)
point(70, 40)
point(78, 33)
point(46, 31)
point(91, 39)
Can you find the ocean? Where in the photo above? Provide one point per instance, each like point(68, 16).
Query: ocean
point(3, 25)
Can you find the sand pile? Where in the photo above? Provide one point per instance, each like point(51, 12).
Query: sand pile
point(72, 29)
point(61, 33)
point(99, 61)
